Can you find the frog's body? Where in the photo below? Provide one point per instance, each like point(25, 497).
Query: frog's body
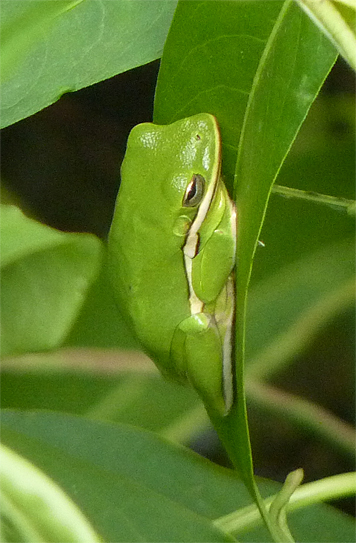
point(172, 247)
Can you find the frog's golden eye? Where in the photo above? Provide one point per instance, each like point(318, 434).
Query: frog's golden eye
point(194, 192)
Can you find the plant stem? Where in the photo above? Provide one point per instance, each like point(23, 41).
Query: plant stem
point(342, 204)
point(330, 488)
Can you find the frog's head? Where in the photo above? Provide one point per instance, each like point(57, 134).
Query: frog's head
point(176, 168)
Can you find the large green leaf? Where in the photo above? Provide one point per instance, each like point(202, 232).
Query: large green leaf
point(49, 48)
point(257, 66)
point(134, 486)
point(217, 56)
point(45, 275)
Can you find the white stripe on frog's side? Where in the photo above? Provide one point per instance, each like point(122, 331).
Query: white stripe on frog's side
point(228, 351)
point(227, 324)
point(196, 305)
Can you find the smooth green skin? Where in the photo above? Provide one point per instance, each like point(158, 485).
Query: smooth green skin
point(184, 332)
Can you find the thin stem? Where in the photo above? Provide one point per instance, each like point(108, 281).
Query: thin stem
point(278, 507)
point(303, 413)
point(342, 204)
point(330, 488)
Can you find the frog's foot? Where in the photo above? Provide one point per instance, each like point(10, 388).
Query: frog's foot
point(198, 352)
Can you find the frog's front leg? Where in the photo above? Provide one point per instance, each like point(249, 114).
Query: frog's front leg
point(198, 353)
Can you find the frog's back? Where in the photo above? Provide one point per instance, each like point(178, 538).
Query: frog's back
point(151, 293)
point(150, 226)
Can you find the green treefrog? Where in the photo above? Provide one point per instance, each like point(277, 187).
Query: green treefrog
point(172, 253)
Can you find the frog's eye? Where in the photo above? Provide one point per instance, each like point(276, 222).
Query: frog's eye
point(194, 192)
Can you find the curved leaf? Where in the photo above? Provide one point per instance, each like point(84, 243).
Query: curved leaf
point(34, 509)
point(337, 19)
point(134, 486)
point(44, 280)
point(257, 66)
point(49, 48)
